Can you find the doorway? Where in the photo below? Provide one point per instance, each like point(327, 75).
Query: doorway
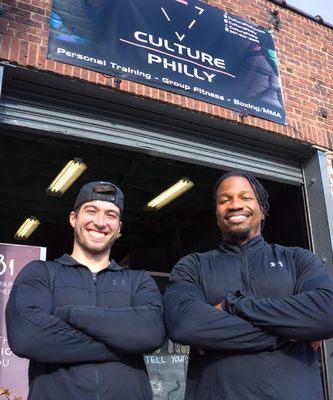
point(150, 240)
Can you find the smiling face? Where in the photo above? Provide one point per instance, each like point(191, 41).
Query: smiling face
point(238, 212)
point(96, 227)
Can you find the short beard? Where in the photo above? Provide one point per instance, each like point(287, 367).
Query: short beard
point(94, 251)
point(237, 236)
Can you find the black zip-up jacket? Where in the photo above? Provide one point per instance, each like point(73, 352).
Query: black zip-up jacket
point(84, 333)
point(275, 300)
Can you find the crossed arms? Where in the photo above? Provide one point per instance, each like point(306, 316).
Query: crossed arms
point(246, 323)
point(78, 334)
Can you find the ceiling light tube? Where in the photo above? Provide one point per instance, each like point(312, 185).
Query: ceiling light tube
point(27, 228)
point(176, 190)
point(69, 174)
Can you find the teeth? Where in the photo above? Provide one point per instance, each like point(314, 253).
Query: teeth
point(96, 234)
point(237, 218)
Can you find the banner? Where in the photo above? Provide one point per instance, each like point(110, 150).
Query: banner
point(183, 46)
point(13, 370)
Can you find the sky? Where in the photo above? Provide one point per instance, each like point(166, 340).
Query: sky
point(324, 8)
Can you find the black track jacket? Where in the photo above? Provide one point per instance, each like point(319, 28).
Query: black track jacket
point(84, 333)
point(275, 300)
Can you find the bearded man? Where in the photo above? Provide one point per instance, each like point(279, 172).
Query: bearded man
point(252, 312)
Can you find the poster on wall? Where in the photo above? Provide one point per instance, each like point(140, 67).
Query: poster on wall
point(167, 366)
point(167, 369)
point(13, 370)
point(182, 46)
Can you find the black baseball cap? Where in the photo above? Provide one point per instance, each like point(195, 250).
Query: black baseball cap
point(105, 191)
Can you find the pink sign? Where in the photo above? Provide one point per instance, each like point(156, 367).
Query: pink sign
point(13, 370)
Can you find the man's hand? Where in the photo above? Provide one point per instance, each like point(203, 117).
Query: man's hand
point(315, 344)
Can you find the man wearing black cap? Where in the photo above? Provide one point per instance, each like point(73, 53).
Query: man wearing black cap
point(252, 312)
point(83, 321)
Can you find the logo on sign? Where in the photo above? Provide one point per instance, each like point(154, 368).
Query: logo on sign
point(4, 267)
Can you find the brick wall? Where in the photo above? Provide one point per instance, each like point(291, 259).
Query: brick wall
point(304, 47)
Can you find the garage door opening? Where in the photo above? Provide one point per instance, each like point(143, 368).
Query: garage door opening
point(150, 240)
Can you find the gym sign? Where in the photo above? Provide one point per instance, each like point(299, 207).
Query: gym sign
point(182, 46)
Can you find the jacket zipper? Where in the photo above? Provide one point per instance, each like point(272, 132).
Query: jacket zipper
point(246, 271)
point(94, 295)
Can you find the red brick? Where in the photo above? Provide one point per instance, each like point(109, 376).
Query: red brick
point(41, 58)
point(5, 47)
point(50, 65)
point(69, 70)
point(10, 3)
point(23, 52)
point(59, 68)
point(9, 16)
point(84, 74)
point(14, 50)
point(33, 9)
point(32, 54)
point(35, 39)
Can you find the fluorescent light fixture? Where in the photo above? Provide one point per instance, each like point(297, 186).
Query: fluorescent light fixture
point(69, 174)
point(26, 229)
point(176, 190)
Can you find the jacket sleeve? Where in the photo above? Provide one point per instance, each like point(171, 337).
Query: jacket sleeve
point(306, 315)
point(34, 333)
point(191, 320)
point(135, 329)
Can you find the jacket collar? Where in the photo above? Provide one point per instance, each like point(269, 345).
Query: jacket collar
point(253, 245)
point(66, 259)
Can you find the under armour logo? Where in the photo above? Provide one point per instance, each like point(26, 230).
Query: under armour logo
point(273, 264)
point(121, 282)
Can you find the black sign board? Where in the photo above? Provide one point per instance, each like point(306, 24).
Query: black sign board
point(183, 46)
point(167, 368)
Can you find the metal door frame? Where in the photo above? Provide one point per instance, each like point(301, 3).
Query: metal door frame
point(319, 206)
